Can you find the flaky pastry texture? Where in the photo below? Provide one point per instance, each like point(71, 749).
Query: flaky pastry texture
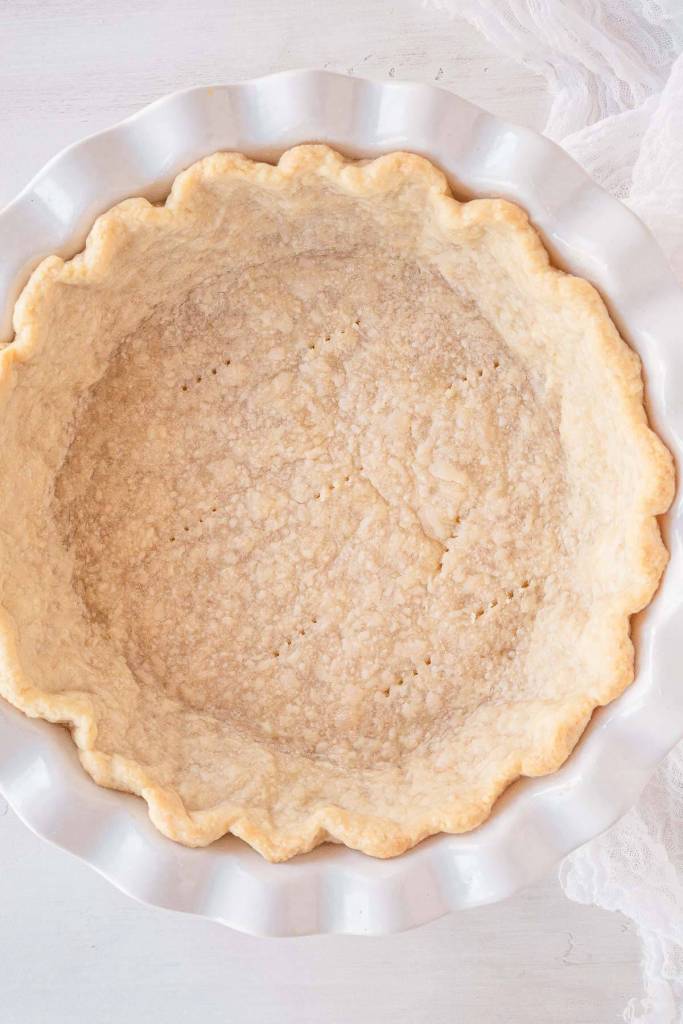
point(326, 503)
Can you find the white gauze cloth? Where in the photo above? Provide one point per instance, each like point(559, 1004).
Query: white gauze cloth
point(615, 76)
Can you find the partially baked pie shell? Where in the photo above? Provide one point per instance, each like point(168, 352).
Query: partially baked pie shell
point(404, 533)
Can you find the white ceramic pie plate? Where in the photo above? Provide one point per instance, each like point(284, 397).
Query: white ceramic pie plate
point(536, 822)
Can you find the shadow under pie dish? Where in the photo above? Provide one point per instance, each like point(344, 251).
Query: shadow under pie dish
point(330, 502)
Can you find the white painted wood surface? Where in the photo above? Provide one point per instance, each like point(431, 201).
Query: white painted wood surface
point(73, 949)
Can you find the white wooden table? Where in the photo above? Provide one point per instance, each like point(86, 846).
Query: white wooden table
point(73, 949)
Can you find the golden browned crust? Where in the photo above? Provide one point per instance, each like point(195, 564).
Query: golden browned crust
point(540, 748)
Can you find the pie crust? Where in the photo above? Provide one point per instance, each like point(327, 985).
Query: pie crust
point(326, 503)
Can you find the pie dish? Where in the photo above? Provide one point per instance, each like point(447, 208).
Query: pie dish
point(536, 821)
point(335, 501)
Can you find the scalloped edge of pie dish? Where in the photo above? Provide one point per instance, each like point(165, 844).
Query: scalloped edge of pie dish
point(331, 866)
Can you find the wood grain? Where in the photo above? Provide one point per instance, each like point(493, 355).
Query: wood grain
point(70, 68)
point(75, 949)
